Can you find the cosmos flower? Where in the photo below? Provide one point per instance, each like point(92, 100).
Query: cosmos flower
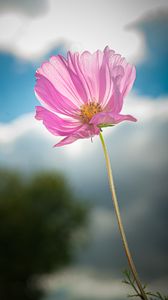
point(82, 93)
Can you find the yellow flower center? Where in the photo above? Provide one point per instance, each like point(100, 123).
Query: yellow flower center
point(89, 110)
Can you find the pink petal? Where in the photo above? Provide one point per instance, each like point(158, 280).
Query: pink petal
point(110, 118)
point(119, 118)
point(123, 72)
point(105, 81)
point(58, 74)
point(55, 124)
point(73, 63)
point(85, 131)
point(75, 79)
point(52, 99)
point(89, 64)
point(93, 71)
point(74, 60)
point(116, 100)
point(68, 140)
point(127, 80)
point(122, 75)
point(108, 52)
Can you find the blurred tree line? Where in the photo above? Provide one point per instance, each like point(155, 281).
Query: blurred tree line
point(38, 221)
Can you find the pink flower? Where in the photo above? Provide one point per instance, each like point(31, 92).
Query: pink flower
point(82, 93)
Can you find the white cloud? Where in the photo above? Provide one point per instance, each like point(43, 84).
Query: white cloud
point(88, 284)
point(146, 109)
point(9, 132)
point(81, 24)
point(31, 7)
point(85, 283)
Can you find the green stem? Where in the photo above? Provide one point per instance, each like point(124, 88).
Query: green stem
point(119, 220)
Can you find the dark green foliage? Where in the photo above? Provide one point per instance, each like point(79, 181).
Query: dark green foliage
point(38, 222)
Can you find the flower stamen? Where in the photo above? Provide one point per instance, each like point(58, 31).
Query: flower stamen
point(88, 110)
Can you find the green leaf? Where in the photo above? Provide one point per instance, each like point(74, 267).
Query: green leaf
point(103, 125)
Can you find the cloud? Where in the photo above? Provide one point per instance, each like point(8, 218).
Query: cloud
point(30, 8)
point(85, 284)
point(139, 157)
point(66, 21)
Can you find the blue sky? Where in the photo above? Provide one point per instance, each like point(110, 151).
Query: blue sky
point(152, 74)
point(17, 84)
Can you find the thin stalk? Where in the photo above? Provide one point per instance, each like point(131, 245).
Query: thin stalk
point(119, 220)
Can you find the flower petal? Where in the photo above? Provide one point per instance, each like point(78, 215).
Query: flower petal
point(105, 82)
point(115, 102)
point(123, 72)
point(67, 140)
point(123, 75)
point(52, 99)
point(55, 124)
point(57, 73)
point(73, 63)
point(85, 131)
point(89, 64)
point(108, 118)
point(127, 80)
point(74, 78)
point(93, 71)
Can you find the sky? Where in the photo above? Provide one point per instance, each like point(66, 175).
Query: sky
point(32, 31)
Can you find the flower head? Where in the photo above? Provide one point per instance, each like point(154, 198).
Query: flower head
point(82, 93)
